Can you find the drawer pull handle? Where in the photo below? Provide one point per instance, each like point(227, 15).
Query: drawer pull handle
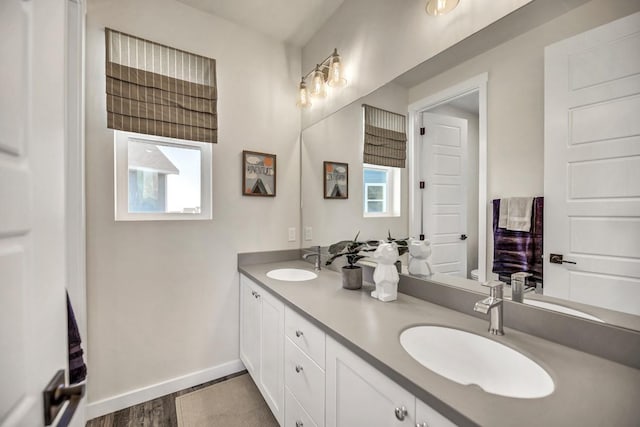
point(299, 333)
point(299, 424)
point(299, 368)
point(422, 424)
point(401, 413)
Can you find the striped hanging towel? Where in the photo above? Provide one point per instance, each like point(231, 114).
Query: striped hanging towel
point(77, 367)
point(515, 251)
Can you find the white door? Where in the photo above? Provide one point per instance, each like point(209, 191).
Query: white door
point(426, 416)
point(444, 170)
point(592, 166)
point(359, 395)
point(33, 329)
point(272, 353)
point(249, 327)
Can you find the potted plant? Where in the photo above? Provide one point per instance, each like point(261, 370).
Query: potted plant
point(351, 249)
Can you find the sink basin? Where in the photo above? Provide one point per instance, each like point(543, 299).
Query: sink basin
point(561, 309)
point(468, 358)
point(291, 274)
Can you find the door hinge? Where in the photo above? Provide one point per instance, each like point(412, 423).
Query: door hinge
point(422, 131)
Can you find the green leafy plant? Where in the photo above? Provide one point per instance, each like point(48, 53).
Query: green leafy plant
point(403, 244)
point(350, 249)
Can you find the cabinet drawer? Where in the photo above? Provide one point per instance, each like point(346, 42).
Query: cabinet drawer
point(305, 380)
point(294, 414)
point(305, 335)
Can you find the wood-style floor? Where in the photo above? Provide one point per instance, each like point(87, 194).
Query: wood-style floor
point(160, 412)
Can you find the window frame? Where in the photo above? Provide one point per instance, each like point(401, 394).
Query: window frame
point(121, 178)
point(391, 191)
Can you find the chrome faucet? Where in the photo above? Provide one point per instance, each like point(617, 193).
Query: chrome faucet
point(519, 285)
point(315, 254)
point(493, 306)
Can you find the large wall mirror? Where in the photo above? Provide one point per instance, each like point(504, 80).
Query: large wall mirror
point(485, 140)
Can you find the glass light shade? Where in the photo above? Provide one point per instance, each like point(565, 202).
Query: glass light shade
point(440, 7)
point(303, 96)
point(336, 78)
point(318, 88)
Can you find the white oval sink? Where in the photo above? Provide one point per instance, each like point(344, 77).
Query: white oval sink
point(468, 358)
point(561, 309)
point(291, 274)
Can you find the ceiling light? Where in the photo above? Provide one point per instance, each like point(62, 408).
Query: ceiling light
point(440, 7)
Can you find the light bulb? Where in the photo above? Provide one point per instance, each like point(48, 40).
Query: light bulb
point(336, 78)
point(440, 7)
point(318, 88)
point(303, 96)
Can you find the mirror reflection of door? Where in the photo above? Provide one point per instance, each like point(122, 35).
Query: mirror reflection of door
point(449, 163)
point(444, 168)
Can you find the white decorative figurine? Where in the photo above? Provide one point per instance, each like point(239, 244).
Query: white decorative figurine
point(385, 275)
point(419, 251)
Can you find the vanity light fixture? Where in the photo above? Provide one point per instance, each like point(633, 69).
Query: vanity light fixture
point(328, 72)
point(440, 7)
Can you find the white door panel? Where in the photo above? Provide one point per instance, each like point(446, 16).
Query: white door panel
point(444, 163)
point(33, 340)
point(592, 166)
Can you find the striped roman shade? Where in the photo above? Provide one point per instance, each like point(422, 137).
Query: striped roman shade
point(385, 137)
point(158, 90)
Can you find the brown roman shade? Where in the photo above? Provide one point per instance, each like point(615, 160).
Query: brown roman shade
point(385, 137)
point(158, 90)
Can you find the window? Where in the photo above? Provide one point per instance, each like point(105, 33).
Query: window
point(160, 178)
point(381, 191)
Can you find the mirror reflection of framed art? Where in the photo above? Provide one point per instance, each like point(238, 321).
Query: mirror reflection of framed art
point(336, 180)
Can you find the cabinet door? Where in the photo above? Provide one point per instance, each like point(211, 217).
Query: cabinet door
point(272, 353)
point(426, 416)
point(359, 395)
point(249, 327)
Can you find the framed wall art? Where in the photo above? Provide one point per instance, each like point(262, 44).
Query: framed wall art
point(336, 180)
point(258, 174)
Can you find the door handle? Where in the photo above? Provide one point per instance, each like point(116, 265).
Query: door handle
point(463, 237)
point(558, 259)
point(56, 394)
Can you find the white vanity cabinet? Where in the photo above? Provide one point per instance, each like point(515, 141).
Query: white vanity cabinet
point(304, 374)
point(359, 395)
point(308, 379)
point(262, 342)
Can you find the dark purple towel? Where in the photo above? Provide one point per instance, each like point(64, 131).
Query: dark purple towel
point(77, 367)
point(515, 251)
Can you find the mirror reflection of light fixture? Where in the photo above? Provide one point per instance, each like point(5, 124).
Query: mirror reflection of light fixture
point(318, 87)
point(440, 7)
point(303, 95)
point(328, 72)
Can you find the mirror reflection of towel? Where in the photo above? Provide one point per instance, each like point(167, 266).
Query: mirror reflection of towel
point(515, 213)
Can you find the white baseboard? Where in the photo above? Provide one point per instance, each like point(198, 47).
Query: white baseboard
point(134, 397)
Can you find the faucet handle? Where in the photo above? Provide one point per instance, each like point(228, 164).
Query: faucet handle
point(495, 288)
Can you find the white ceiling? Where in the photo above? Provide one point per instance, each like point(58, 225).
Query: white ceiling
point(291, 21)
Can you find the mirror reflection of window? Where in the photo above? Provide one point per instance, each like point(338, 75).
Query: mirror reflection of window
point(381, 191)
